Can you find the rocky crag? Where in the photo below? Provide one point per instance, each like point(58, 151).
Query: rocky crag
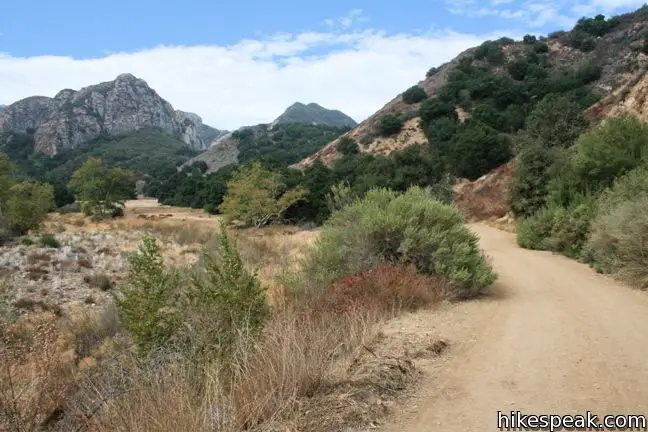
point(111, 108)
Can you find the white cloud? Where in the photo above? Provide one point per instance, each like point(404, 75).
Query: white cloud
point(254, 80)
point(355, 16)
point(541, 14)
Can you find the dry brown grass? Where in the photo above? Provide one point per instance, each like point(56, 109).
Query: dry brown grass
point(314, 366)
point(299, 354)
point(35, 374)
point(267, 382)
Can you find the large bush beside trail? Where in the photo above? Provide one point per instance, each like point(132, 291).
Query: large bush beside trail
point(557, 228)
point(572, 184)
point(611, 150)
point(618, 243)
point(618, 236)
point(410, 228)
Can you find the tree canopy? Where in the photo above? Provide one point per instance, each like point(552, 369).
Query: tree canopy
point(102, 191)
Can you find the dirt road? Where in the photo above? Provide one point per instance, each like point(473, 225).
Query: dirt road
point(552, 337)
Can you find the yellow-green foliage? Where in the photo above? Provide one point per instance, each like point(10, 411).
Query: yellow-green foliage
point(28, 204)
point(102, 191)
point(257, 196)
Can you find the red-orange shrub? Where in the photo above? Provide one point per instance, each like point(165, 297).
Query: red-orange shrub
point(384, 288)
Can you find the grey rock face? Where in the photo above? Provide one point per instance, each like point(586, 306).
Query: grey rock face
point(222, 152)
point(111, 108)
point(207, 134)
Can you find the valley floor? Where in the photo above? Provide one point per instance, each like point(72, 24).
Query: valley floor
point(552, 337)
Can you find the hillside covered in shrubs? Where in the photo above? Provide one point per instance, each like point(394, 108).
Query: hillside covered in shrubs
point(476, 113)
point(586, 201)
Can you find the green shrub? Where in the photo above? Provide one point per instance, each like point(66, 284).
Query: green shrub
point(617, 146)
point(414, 94)
point(490, 51)
point(341, 196)
point(26, 241)
point(48, 240)
point(431, 72)
point(146, 305)
point(528, 188)
point(435, 108)
point(475, 150)
point(99, 280)
point(347, 146)
point(613, 212)
point(441, 191)
point(529, 39)
point(211, 208)
point(618, 241)
point(571, 228)
point(558, 229)
point(533, 232)
point(556, 121)
point(628, 187)
point(117, 211)
point(597, 26)
point(411, 228)
point(223, 299)
point(582, 41)
point(389, 125)
point(518, 69)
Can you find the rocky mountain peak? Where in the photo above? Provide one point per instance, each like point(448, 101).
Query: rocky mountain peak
point(111, 108)
point(127, 77)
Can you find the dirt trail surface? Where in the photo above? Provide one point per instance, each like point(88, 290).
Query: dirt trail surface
point(552, 337)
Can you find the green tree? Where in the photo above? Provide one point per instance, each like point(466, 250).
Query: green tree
point(347, 146)
point(556, 121)
point(223, 300)
point(146, 304)
point(436, 108)
point(257, 196)
point(6, 168)
point(528, 187)
point(617, 146)
point(389, 125)
point(101, 191)
point(414, 94)
point(475, 150)
point(28, 204)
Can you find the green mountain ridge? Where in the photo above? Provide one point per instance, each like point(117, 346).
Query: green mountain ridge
point(150, 153)
point(314, 114)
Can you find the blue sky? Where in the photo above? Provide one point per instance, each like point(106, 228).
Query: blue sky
point(237, 63)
